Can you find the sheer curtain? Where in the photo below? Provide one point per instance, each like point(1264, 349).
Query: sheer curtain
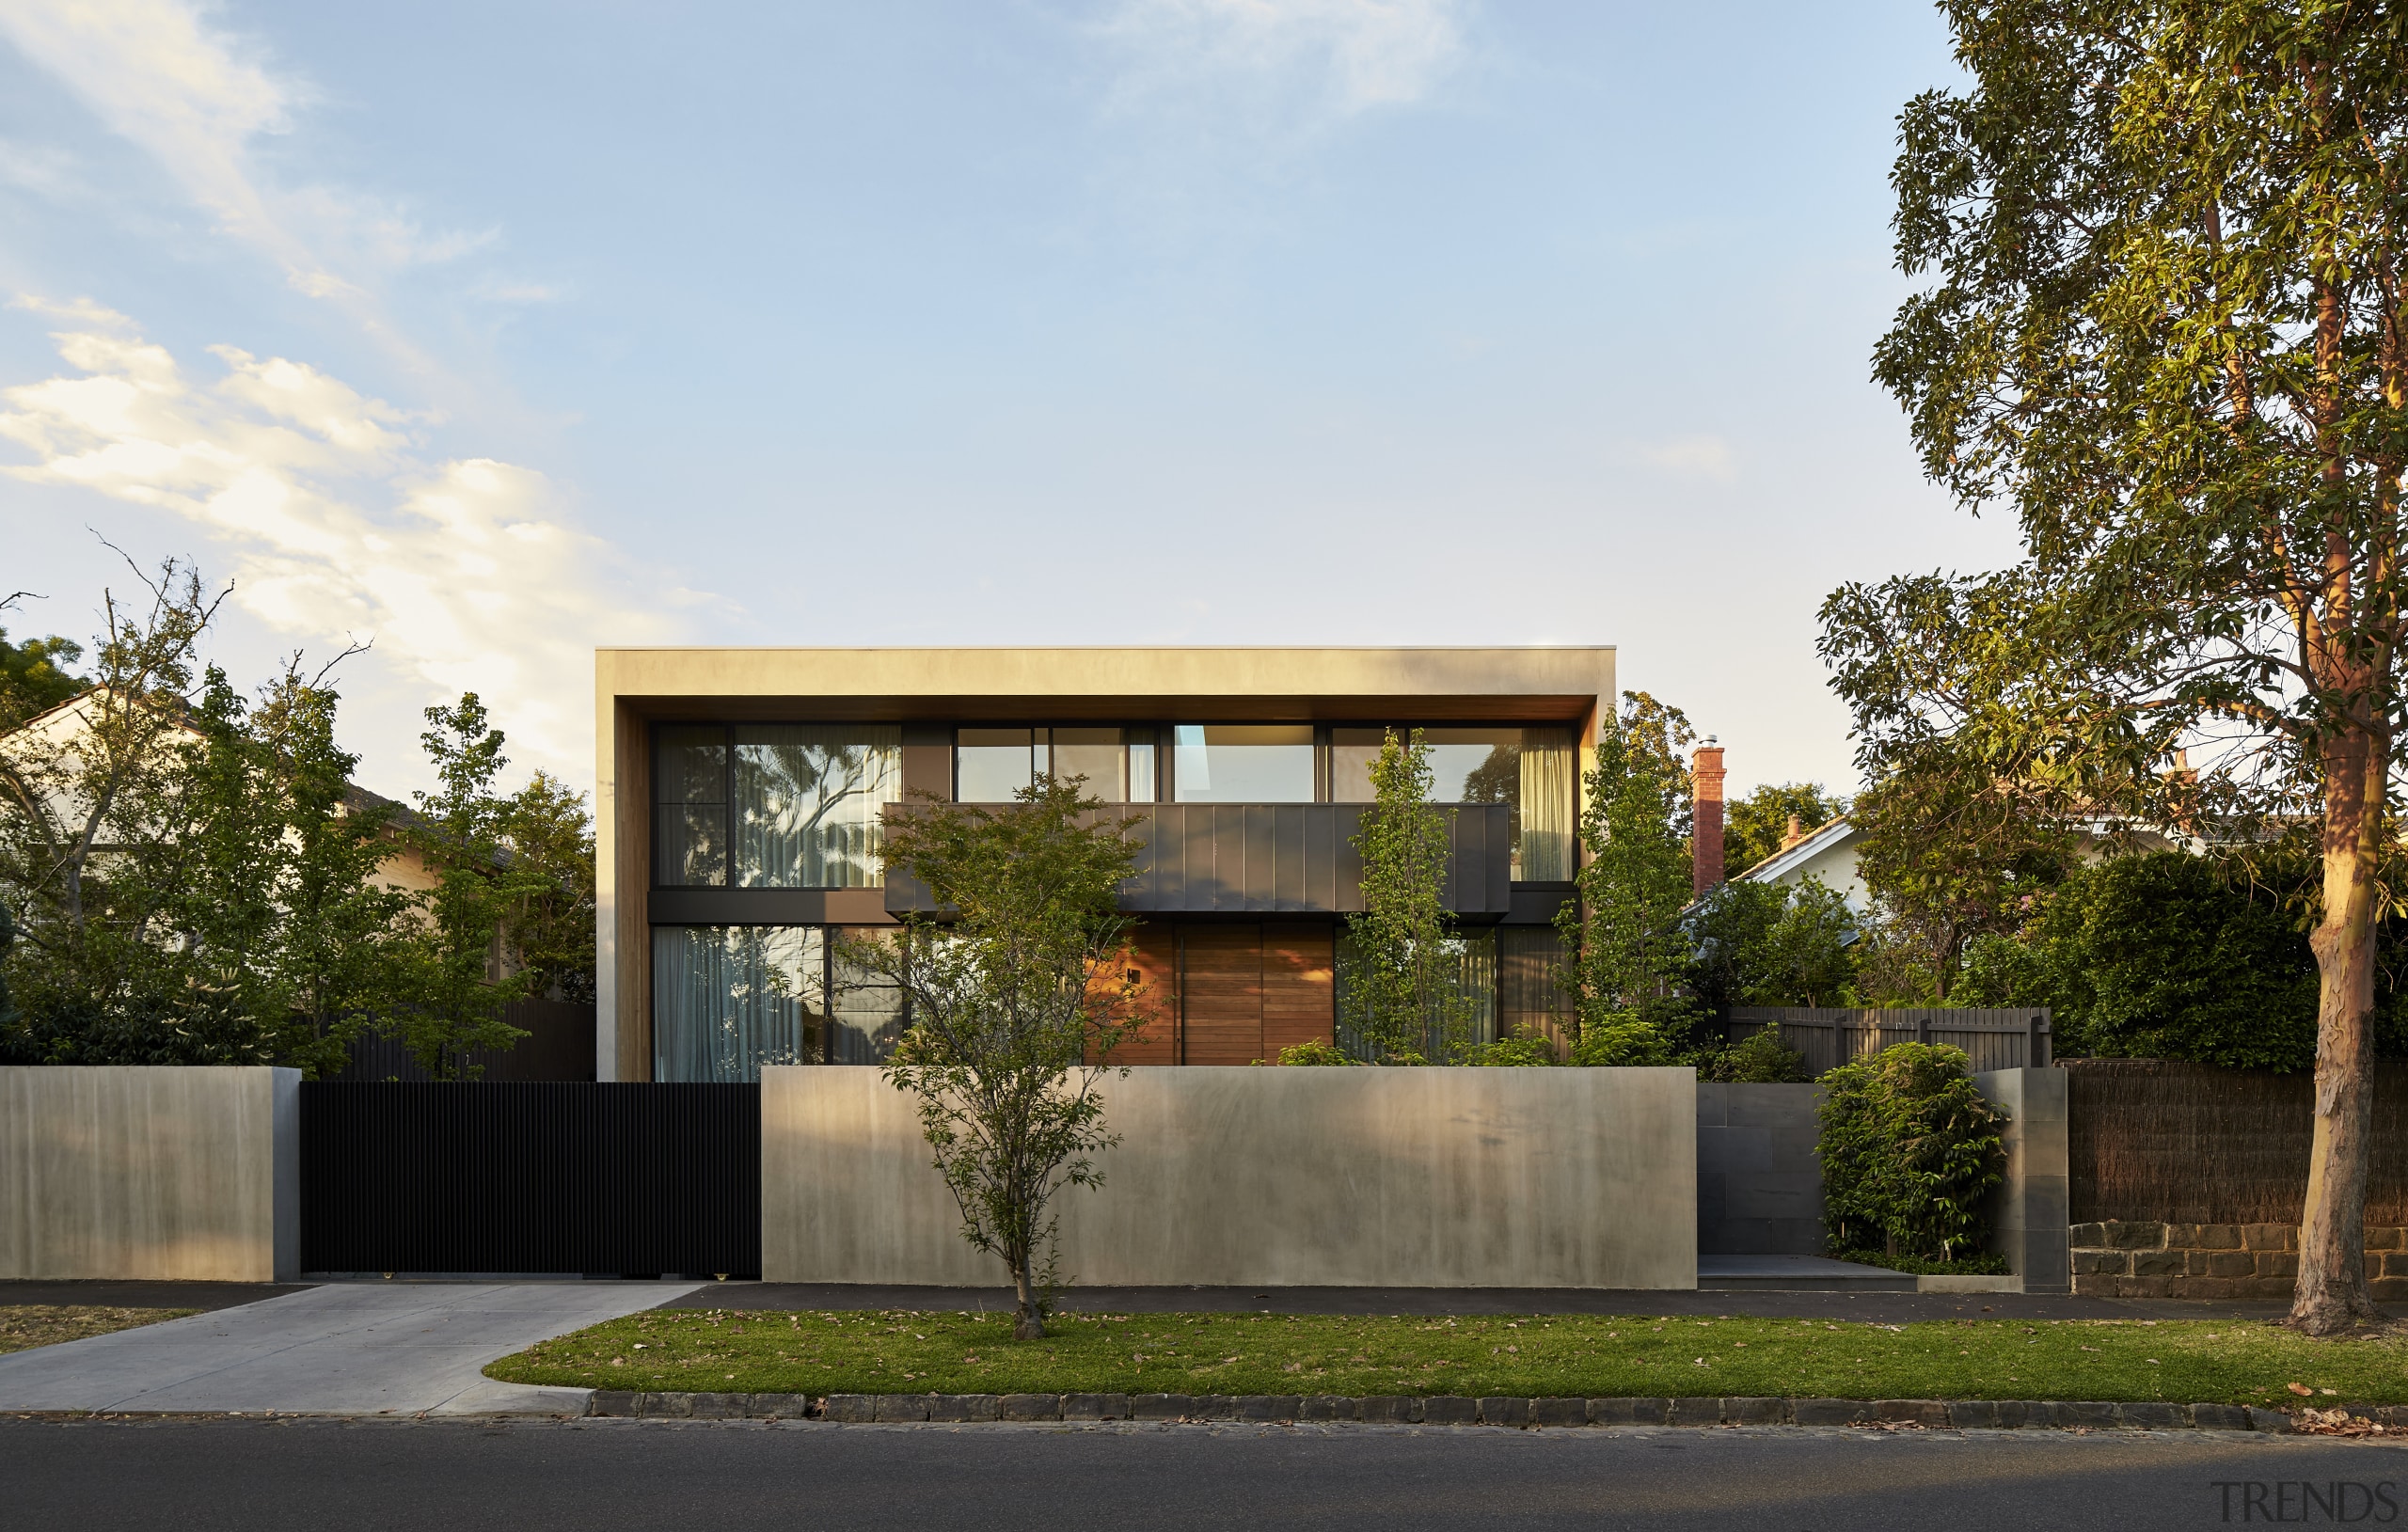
point(809, 802)
point(1472, 956)
point(868, 1012)
point(729, 999)
point(1549, 788)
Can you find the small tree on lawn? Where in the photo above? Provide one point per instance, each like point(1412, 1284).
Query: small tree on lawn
point(1399, 965)
point(1018, 995)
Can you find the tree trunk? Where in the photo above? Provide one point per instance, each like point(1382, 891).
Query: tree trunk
point(2332, 1295)
point(1031, 1324)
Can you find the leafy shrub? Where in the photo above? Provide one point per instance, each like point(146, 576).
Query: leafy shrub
point(1315, 1052)
point(2163, 956)
point(1757, 1060)
point(1624, 1040)
point(1909, 1149)
point(1524, 1049)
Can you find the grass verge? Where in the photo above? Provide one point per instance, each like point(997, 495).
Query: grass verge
point(758, 1351)
point(23, 1326)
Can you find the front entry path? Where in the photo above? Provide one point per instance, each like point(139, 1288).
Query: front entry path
point(345, 1349)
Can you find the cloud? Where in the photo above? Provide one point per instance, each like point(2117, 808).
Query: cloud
point(1346, 55)
point(195, 97)
point(1695, 457)
point(469, 574)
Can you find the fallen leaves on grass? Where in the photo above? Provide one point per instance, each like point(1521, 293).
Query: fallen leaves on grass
point(23, 1326)
point(2336, 1423)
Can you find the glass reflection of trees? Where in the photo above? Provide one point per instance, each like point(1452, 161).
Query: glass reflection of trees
point(808, 803)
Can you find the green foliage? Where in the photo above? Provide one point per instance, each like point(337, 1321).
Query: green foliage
point(551, 930)
point(1755, 827)
point(1758, 1059)
point(1314, 1053)
point(1400, 974)
point(1647, 1038)
point(2163, 956)
point(1524, 1049)
point(34, 675)
point(1622, 933)
point(1909, 1149)
point(1770, 944)
point(1012, 1000)
point(2165, 248)
point(455, 984)
point(1974, 1265)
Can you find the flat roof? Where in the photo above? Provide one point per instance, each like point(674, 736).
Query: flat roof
point(1521, 681)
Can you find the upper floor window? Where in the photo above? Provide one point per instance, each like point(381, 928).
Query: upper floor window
point(1530, 770)
point(1241, 763)
point(773, 806)
point(1117, 765)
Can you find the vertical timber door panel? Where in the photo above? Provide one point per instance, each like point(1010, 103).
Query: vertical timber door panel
point(1221, 993)
point(1299, 992)
point(1154, 953)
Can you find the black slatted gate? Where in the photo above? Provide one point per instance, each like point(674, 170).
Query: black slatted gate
point(527, 1178)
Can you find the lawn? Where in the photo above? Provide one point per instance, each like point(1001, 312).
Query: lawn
point(760, 1351)
point(23, 1326)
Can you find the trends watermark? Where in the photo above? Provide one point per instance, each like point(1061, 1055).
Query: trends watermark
point(2307, 1500)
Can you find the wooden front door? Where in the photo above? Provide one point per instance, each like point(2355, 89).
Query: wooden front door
point(1247, 991)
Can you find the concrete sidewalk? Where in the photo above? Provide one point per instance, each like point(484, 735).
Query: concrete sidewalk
point(345, 1349)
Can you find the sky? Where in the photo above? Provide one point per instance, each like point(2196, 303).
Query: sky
point(484, 334)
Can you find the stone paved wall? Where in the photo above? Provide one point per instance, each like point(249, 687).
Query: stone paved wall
point(2257, 1262)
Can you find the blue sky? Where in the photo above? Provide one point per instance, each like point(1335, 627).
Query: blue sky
point(494, 332)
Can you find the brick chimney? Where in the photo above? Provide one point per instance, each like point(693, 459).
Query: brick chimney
point(1706, 856)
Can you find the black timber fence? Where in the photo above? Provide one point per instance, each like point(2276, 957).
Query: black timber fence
point(559, 1045)
point(527, 1178)
point(1829, 1037)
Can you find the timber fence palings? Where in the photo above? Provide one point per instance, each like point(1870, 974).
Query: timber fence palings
point(1450, 1409)
point(1829, 1037)
point(2156, 1142)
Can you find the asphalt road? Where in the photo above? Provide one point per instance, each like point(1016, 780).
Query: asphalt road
point(607, 1475)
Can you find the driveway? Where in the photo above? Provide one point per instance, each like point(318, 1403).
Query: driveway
point(346, 1348)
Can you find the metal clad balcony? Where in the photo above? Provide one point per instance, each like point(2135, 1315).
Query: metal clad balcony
point(1233, 858)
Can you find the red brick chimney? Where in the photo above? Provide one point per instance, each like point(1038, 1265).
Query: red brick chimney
point(1705, 854)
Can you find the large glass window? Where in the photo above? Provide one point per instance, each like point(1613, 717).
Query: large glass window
point(773, 806)
point(990, 766)
point(728, 999)
point(1241, 763)
point(810, 801)
point(869, 1010)
point(1471, 965)
point(689, 806)
point(1529, 770)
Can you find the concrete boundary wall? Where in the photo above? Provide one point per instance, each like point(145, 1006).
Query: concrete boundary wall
point(160, 1173)
point(1441, 1177)
point(2028, 1211)
point(1759, 1185)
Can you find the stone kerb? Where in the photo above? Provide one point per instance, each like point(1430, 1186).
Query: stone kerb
point(1507, 1411)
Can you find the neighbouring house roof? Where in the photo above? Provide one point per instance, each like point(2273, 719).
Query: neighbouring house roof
point(1793, 859)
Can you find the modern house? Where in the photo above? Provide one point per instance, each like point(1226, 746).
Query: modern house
point(742, 795)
